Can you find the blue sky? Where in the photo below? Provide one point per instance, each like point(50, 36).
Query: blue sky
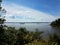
point(47, 6)
point(31, 10)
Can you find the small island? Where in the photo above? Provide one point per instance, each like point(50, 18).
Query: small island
point(56, 23)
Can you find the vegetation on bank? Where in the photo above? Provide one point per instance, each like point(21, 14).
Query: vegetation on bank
point(21, 36)
point(56, 23)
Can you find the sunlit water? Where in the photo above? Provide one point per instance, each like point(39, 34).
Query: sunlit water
point(45, 27)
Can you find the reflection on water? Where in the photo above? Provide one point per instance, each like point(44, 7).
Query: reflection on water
point(45, 27)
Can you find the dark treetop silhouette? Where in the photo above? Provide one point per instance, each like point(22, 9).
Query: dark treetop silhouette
point(56, 23)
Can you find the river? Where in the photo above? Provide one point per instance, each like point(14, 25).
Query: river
point(42, 26)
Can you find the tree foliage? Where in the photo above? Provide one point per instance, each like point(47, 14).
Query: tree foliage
point(0, 0)
point(56, 23)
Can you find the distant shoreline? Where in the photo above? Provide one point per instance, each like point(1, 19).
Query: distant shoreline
point(27, 22)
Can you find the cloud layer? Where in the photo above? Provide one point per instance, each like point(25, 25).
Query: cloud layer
point(18, 13)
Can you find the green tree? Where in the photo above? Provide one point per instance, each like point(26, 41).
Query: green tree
point(56, 23)
point(10, 35)
point(20, 40)
point(2, 30)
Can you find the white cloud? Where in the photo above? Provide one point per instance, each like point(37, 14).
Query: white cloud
point(18, 13)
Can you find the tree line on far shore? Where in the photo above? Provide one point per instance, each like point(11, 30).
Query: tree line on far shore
point(56, 23)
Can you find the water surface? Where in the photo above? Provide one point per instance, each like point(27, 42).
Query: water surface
point(45, 27)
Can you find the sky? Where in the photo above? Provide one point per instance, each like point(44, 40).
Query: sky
point(32, 10)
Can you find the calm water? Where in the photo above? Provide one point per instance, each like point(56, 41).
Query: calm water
point(45, 27)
